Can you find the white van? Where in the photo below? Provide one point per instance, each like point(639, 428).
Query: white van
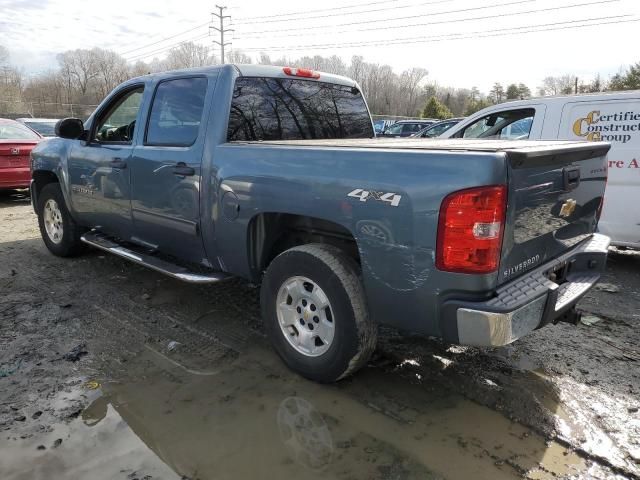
point(612, 117)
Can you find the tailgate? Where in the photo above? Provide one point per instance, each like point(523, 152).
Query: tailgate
point(555, 197)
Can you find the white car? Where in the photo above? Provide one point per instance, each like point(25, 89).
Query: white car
point(612, 117)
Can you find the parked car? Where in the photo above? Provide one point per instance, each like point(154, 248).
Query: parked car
point(406, 128)
point(16, 142)
point(613, 117)
point(380, 125)
point(44, 126)
point(273, 175)
point(438, 128)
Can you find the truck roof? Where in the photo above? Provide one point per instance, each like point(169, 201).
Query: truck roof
point(249, 70)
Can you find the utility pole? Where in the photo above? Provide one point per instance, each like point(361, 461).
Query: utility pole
point(576, 86)
point(221, 30)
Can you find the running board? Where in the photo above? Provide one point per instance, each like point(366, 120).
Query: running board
point(103, 242)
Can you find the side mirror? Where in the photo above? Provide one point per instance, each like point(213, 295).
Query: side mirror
point(71, 128)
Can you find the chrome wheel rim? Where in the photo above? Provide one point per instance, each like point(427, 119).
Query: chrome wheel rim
point(305, 316)
point(53, 221)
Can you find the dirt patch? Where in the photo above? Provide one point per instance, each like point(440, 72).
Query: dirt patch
point(178, 381)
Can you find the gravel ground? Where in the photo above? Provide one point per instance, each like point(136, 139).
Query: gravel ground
point(108, 370)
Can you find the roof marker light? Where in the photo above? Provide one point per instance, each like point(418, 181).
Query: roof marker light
point(301, 72)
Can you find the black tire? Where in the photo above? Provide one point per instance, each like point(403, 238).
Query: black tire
point(338, 276)
point(70, 244)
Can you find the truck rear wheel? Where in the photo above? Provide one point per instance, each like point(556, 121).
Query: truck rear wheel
point(315, 314)
point(59, 231)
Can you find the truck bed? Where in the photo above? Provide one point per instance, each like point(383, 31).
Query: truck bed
point(516, 148)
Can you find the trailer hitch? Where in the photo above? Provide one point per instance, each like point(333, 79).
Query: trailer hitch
point(571, 316)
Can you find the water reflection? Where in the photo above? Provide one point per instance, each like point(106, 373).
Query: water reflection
point(304, 433)
point(256, 420)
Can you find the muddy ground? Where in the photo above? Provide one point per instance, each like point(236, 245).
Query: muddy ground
point(112, 371)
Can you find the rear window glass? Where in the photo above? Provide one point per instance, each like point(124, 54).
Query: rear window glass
point(287, 109)
point(43, 128)
point(15, 131)
point(176, 112)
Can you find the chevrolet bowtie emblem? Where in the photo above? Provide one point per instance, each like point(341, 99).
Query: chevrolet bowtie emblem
point(568, 208)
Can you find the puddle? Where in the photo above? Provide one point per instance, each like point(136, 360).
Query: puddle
point(254, 419)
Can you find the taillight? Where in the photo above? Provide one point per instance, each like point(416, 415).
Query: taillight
point(300, 72)
point(470, 230)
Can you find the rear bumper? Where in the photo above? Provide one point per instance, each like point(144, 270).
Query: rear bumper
point(532, 300)
point(17, 177)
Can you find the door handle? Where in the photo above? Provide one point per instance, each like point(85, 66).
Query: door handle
point(571, 178)
point(182, 170)
point(118, 163)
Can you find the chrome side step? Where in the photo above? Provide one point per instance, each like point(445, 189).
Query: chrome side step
point(101, 241)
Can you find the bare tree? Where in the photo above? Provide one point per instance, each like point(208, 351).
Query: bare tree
point(81, 66)
point(237, 56)
point(557, 85)
point(112, 70)
point(188, 55)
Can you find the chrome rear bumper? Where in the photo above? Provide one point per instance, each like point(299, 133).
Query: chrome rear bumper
point(533, 300)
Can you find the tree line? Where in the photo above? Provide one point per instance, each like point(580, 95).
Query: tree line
point(86, 76)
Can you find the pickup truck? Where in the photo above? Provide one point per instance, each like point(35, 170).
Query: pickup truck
point(274, 175)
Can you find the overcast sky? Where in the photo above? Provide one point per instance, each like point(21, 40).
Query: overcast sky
point(462, 43)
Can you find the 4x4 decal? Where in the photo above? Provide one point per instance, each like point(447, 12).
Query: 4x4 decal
point(364, 195)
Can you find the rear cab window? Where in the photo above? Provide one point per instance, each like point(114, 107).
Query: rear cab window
point(292, 109)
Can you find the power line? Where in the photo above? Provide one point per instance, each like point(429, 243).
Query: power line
point(242, 22)
point(441, 22)
point(164, 39)
point(366, 4)
point(166, 48)
point(463, 10)
point(457, 36)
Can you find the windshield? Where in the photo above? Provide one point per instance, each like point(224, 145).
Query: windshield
point(15, 131)
point(46, 129)
point(288, 109)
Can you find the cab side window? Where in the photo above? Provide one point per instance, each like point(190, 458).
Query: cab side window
point(118, 122)
point(176, 112)
point(508, 125)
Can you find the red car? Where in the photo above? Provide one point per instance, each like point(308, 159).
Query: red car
point(16, 143)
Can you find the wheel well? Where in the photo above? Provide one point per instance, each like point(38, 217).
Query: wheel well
point(42, 178)
point(270, 234)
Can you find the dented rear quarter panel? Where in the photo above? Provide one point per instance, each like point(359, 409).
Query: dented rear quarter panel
point(396, 243)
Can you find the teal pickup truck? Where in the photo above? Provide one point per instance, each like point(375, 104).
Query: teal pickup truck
point(273, 174)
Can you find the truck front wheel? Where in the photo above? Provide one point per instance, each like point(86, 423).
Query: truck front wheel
point(59, 231)
point(315, 314)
